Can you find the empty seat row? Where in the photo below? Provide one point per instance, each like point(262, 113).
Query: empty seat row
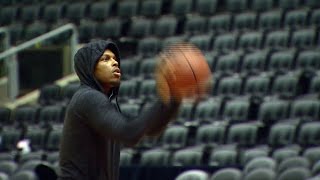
point(236, 174)
point(287, 86)
point(38, 138)
point(195, 157)
point(32, 115)
point(254, 63)
point(217, 134)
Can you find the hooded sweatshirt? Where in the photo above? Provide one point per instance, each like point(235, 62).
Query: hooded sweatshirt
point(94, 128)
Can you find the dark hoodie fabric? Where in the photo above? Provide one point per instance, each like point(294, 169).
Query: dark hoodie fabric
point(94, 128)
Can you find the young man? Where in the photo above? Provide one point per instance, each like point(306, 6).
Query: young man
point(94, 128)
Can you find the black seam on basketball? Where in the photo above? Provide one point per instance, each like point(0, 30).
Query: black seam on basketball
point(194, 75)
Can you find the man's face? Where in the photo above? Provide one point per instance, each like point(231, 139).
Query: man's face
point(107, 70)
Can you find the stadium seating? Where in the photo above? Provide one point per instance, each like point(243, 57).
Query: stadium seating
point(260, 121)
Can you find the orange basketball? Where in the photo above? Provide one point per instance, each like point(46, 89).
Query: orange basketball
point(185, 71)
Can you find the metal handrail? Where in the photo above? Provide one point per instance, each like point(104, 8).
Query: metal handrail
point(10, 58)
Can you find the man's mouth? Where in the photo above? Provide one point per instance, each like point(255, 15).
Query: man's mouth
point(117, 72)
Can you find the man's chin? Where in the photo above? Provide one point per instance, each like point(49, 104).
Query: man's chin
point(116, 84)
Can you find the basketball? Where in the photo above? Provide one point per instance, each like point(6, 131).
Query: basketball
point(183, 72)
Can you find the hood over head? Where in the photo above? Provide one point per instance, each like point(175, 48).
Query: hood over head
point(86, 59)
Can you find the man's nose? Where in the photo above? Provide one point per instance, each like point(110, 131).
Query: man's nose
point(115, 63)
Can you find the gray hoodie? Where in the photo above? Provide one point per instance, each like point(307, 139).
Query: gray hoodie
point(94, 128)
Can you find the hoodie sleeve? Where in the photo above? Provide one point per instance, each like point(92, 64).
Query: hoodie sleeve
point(103, 117)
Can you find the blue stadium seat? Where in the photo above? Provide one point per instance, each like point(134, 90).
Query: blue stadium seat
point(281, 134)
point(130, 110)
point(127, 8)
point(155, 157)
point(101, 10)
point(147, 68)
point(225, 42)
point(288, 4)
point(285, 86)
point(193, 174)
point(128, 90)
point(281, 154)
point(227, 173)
point(250, 41)
point(34, 30)
point(261, 174)
point(210, 134)
point(203, 42)
point(149, 47)
point(295, 174)
point(277, 39)
point(53, 114)
point(227, 64)
point(126, 157)
point(236, 110)
point(257, 86)
point(10, 137)
point(8, 15)
point(110, 28)
point(184, 113)
point(236, 5)
point(173, 40)
point(246, 155)
point(296, 19)
point(245, 21)
point(223, 157)
point(165, 26)
point(273, 111)
point(24, 175)
point(147, 90)
point(254, 63)
point(53, 142)
point(75, 12)
point(8, 167)
point(315, 85)
point(270, 20)
point(219, 23)
point(243, 134)
point(140, 27)
point(30, 13)
point(304, 38)
point(25, 115)
point(308, 60)
point(129, 68)
point(87, 31)
point(312, 154)
point(53, 12)
point(174, 137)
point(181, 7)
point(151, 8)
point(313, 3)
point(281, 61)
point(207, 111)
point(262, 5)
point(315, 18)
point(293, 162)
point(37, 138)
point(229, 86)
point(260, 163)
point(306, 109)
point(308, 134)
point(187, 157)
point(5, 116)
point(195, 25)
point(49, 94)
point(206, 7)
